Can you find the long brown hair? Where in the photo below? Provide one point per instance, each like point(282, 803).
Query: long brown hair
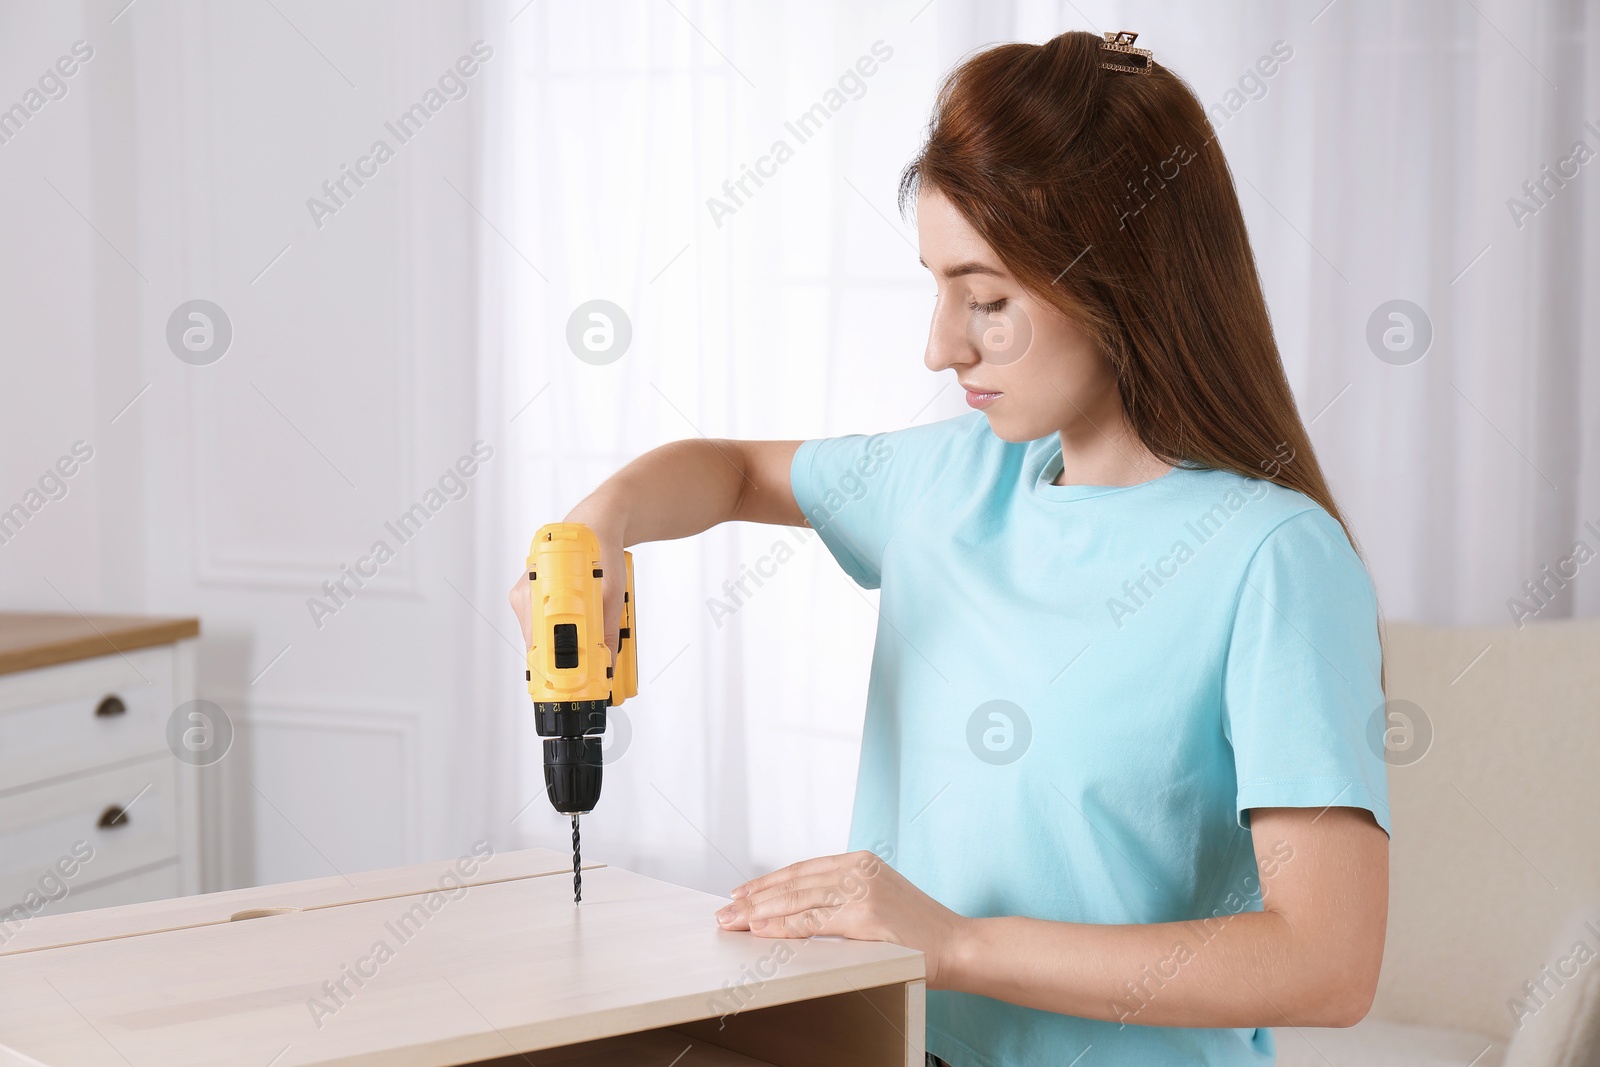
point(1106, 194)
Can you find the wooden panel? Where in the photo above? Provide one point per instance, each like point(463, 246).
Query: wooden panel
point(916, 1023)
point(653, 1048)
point(48, 722)
point(499, 969)
point(28, 640)
point(54, 931)
point(861, 1028)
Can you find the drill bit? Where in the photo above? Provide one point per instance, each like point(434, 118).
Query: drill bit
point(577, 872)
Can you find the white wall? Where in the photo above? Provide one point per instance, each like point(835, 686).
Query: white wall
point(191, 142)
point(53, 384)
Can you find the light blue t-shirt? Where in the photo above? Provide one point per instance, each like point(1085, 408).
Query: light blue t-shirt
point(1076, 693)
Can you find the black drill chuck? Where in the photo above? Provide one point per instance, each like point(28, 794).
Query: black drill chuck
point(572, 773)
point(572, 757)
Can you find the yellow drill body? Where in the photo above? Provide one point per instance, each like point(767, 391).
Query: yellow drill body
point(570, 675)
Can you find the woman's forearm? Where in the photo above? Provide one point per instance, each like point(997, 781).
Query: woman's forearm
point(677, 490)
point(1241, 970)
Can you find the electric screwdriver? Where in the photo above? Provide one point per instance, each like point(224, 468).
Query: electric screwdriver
point(570, 676)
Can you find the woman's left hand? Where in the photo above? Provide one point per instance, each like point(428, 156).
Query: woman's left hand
point(854, 895)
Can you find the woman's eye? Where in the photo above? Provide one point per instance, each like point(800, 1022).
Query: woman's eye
point(989, 308)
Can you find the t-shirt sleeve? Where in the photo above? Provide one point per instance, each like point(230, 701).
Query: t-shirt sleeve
point(855, 490)
point(1302, 680)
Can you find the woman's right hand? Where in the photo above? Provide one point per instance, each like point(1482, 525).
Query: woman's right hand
point(676, 490)
point(607, 528)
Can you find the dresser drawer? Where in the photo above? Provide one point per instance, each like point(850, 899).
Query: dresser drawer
point(74, 717)
point(74, 823)
point(151, 883)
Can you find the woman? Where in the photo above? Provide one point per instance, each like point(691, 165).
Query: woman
point(1116, 761)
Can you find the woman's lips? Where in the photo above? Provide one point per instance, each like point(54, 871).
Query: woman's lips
point(979, 399)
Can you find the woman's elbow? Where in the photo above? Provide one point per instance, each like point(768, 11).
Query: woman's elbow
point(1351, 1008)
point(1344, 999)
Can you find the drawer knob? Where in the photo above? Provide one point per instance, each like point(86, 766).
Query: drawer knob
point(112, 818)
point(111, 705)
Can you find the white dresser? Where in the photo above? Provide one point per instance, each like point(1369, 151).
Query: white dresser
point(95, 807)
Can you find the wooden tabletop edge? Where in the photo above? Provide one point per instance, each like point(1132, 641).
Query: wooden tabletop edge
point(88, 637)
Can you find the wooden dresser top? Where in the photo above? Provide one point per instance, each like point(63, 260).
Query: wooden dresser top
point(492, 959)
point(40, 640)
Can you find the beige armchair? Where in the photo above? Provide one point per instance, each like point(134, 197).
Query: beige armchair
point(1493, 951)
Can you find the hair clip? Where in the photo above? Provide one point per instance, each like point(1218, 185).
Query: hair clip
point(1118, 53)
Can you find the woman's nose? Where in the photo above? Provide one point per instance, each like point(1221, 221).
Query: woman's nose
point(948, 343)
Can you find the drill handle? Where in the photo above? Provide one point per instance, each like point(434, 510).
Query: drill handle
point(568, 661)
point(625, 678)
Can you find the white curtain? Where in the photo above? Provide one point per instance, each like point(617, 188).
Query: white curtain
point(1374, 164)
point(1383, 163)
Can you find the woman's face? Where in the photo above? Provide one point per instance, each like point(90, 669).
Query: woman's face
point(1023, 363)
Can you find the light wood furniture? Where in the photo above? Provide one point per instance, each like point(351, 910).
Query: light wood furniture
point(94, 808)
point(388, 968)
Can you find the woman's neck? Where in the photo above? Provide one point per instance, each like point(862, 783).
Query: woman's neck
point(1113, 455)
